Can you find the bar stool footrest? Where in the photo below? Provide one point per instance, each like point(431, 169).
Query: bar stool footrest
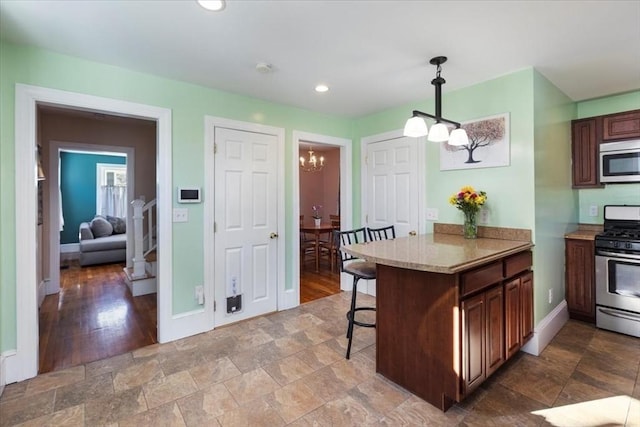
point(363, 324)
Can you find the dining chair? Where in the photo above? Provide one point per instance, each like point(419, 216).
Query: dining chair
point(307, 245)
point(382, 233)
point(359, 269)
point(332, 247)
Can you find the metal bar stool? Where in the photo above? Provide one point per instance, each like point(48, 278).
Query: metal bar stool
point(359, 269)
point(382, 233)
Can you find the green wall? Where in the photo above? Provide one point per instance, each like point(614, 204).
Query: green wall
point(556, 204)
point(611, 194)
point(189, 104)
point(535, 182)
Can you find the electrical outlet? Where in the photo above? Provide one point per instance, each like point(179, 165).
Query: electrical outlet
point(593, 210)
point(180, 215)
point(550, 296)
point(432, 214)
point(484, 216)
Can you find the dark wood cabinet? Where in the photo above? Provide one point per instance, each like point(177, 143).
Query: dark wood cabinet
point(512, 317)
point(441, 335)
point(579, 279)
point(584, 153)
point(621, 126)
point(518, 312)
point(587, 135)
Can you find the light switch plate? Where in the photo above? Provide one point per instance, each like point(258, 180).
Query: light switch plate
point(432, 214)
point(484, 216)
point(593, 210)
point(180, 215)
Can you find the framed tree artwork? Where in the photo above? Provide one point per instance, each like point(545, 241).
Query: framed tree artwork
point(488, 145)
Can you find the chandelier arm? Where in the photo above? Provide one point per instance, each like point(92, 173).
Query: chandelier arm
point(436, 118)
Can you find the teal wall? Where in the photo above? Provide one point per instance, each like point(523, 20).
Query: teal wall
point(78, 187)
point(189, 104)
point(611, 194)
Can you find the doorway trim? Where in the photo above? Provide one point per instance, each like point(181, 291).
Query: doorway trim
point(284, 298)
point(55, 147)
point(24, 363)
point(346, 197)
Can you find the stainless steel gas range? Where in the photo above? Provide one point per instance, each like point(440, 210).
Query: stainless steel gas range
point(618, 270)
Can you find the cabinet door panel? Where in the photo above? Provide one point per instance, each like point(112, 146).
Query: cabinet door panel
point(495, 329)
point(526, 306)
point(512, 317)
point(584, 153)
point(473, 341)
point(621, 126)
point(580, 287)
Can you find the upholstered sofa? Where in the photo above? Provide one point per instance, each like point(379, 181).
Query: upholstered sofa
point(97, 246)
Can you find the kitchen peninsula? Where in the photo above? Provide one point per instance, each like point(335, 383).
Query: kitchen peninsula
point(449, 311)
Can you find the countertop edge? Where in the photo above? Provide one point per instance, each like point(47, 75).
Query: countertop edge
point(440, 269)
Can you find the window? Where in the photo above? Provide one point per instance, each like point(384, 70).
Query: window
point(111, 190)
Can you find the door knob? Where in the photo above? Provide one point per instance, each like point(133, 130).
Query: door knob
point(273, 235)
point(412, 233)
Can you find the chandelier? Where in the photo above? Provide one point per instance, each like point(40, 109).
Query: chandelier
point(311, 164)
point(416, 126)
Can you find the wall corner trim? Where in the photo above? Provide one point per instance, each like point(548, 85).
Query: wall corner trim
point(7, 361)
point(547, 329)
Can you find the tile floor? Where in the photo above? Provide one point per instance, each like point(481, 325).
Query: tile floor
point(288, 368)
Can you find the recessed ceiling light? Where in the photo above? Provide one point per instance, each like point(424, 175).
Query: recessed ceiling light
point(322, 88)
point(215, 5)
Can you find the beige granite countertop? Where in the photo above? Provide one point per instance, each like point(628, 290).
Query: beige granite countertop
point(439, 253)
point(585, 232)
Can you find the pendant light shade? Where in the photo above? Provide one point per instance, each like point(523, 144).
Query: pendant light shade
point(438, 133)
point(415, 127)
point(458, 137)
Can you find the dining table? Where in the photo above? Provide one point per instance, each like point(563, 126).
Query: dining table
point(317, 231)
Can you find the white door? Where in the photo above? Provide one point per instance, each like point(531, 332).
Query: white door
point(393, 185)
point(245, 249)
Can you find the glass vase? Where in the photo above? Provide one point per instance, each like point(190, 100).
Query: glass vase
point(470, 226)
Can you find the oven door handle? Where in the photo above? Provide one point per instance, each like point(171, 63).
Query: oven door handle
point(618, 255)
point(627, 316)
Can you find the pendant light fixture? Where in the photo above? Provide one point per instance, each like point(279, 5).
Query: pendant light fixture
point(417, 127)
point(311, 164)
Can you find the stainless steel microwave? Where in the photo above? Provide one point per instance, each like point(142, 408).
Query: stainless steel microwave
point(620, 161)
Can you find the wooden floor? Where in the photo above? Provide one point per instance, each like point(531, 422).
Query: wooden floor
point(93, 317)
point(317, 285)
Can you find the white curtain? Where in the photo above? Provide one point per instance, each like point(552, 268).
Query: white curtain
point(114, 200)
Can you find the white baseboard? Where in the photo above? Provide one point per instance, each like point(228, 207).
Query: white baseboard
point(544, 332)
point(7, 359)
point(69, 248)
point(2, 375)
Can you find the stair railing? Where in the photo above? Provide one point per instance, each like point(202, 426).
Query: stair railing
point(140, 209)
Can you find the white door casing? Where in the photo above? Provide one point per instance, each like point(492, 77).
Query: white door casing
point(393, 184)
point(346, 190)
point(23, 363)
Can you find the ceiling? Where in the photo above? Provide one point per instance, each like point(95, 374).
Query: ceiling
point(373, 55)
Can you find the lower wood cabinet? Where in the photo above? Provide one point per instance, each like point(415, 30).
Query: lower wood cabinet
point(580, 279)
point(518, 312)
point(482, 336)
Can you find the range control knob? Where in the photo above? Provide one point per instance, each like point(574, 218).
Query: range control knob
point(628, 245)
point(616, 244)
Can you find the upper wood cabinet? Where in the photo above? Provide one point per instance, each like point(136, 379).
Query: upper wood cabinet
point(584, 153)
point(621, 126)
point(587, 135)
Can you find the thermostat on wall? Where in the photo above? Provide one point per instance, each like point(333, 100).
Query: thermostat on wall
point(188, 195)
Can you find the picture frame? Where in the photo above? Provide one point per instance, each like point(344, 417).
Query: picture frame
point(489, 145)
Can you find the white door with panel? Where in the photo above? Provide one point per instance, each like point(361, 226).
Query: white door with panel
point(393, 185)
point(245, 249)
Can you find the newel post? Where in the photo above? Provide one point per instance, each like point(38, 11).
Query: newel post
point(139, 269)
